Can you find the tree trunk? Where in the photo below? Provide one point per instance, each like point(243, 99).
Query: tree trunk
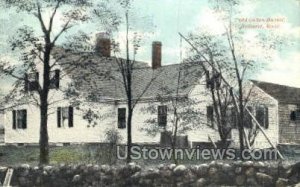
point(43, 92)
point(129, 138)
point(174, 142)
point(241, 122)
point(238, 108)
point(44, 145)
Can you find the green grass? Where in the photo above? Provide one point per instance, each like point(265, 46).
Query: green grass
point(74, 154)
point(61, 155)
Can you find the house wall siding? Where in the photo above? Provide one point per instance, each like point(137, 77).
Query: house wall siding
point(289, 130)
point(200, 94)
point(258, 97)
point(82, 133)
point(1, 119)
point(1, 127)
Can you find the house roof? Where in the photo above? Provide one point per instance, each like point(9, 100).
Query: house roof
point(282, 93)
point(99, 77)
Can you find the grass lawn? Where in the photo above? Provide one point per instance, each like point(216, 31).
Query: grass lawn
point(73, 154)
point(76, 154)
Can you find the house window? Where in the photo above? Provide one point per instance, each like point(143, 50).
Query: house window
point(31, 81)
point(162, 115)
point(262, 116)
point(233, 117)
point(248, 119)
point(121, 118)
point(295, 115)
point(65, 117)
point(210, 115)
point(54, 79)
point(19, 119)
point(217, 80)
point(207, 79)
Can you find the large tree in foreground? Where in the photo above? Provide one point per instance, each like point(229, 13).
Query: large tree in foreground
point(37, 49)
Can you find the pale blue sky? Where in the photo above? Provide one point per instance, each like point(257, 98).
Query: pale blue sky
point(169, 17)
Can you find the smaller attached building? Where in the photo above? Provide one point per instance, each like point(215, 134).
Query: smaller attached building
point(288, 99)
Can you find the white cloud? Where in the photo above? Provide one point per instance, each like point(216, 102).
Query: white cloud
point(286, 29)
point(247, 8)
point(209, 21)
point(251, 46)
point(145, 36)
point(283, 71)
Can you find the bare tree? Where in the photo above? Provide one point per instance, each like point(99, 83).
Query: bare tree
point(39, 51)
point(219, 93)
point(183, 108)
point(122, 72)
point(229, 66)
point(126, 71)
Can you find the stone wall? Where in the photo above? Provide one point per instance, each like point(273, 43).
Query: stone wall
point(211, 174)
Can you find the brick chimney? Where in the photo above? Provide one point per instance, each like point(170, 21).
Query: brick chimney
point(156, 54)
point(103, 44)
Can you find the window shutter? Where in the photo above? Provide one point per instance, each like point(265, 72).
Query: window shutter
point(210, 115)
point(259, 116)
point(212, 82)
point(14, 119)
point(57, 72)
point(59, 117)
point(262, 116)
point(34, 84)
point(266, 117)
point(26, 82)
point(37, 76)
point(207, 79)
point(165, 112)
point(121, 118)
point(162, 115)
point(233, 117)
point(218, 80)
point(293, 116)
point(70, 116)
point(24, 119)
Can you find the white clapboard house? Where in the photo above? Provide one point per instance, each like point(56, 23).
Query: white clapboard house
point(102, 102)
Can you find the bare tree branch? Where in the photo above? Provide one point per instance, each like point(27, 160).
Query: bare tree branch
point(64, 29)
point(40, 18)
point(53, 15)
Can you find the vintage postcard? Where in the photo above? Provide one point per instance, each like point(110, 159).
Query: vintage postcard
point(149, 93)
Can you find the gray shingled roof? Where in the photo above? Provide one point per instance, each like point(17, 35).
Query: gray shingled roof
point(282, 93)
point(99, 77)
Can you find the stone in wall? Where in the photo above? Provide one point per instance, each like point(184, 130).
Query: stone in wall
point(215, 173)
